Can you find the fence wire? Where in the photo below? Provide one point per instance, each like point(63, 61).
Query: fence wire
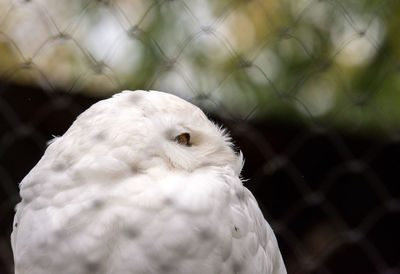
point(308, 89)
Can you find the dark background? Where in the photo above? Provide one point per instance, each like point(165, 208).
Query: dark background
point(332, 199)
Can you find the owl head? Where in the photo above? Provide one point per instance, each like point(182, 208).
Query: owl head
point(145, 130)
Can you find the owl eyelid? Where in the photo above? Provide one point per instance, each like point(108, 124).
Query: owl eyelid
point(183, 139)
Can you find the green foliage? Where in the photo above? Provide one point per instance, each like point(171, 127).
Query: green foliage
point(330, 62)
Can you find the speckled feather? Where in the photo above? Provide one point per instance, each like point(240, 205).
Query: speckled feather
point(117, 194)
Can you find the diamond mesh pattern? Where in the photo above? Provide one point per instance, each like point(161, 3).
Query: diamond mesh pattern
point(309, 90)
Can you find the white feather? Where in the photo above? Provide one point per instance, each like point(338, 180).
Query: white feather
point(117, 194)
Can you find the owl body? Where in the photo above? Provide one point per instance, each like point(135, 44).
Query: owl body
point(117, 193)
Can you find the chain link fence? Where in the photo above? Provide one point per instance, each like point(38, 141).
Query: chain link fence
point(309, 90)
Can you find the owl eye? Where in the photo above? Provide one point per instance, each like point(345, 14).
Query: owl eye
point(183, 139)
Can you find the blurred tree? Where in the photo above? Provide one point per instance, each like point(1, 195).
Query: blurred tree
point(330, 62)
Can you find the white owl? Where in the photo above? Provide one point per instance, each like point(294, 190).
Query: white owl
point(144, 183)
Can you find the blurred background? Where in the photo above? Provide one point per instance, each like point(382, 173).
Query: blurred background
point(309, 89)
